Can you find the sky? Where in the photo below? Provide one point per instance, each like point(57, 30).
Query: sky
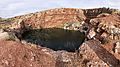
point(11, 8)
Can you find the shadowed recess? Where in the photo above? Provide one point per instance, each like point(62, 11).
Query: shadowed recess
point(55, 38)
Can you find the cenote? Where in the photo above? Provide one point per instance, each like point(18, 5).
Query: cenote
point(55, 38)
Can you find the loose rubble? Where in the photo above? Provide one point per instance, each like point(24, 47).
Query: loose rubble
point(8, 36)
point(117, 47)
point(100, 48)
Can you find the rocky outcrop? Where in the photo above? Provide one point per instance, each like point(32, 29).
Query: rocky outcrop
point(56, 17)
point(7, 35)
point(94, 31)
point(98, 55)
point(17, 54)
point(92, 13)
point(117, 47)
point(109, 24)
point(53, 17)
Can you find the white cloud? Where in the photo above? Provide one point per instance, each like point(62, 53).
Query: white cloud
point(15, 6)
point(9, 8)
point(113, 3)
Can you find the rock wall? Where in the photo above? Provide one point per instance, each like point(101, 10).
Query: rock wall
point(56, 17)
point(53, 17)
point(92, 13)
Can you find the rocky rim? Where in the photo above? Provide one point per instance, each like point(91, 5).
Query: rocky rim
point(93, 35)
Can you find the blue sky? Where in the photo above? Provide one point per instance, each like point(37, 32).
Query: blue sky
point(10, 8)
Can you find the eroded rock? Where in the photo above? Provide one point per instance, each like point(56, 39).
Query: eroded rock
point(8, 36)
point(91, 34)
point(117, 47)
point(93, 50)
point(92, 22)
point(103, 15)
point(109, 24)
point(16, 54)
point(53, 18)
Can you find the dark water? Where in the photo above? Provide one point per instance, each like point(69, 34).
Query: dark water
point(55, 38)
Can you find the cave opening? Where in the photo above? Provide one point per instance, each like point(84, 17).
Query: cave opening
point(55, 38)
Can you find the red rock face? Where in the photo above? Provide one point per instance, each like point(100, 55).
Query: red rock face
point(17, 54)
point(53, 17)
point(92, 53)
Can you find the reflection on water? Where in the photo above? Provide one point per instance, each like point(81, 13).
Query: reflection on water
point(55, 38)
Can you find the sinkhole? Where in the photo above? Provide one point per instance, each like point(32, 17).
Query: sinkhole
point(55, 38)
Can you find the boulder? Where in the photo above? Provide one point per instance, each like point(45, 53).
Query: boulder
point(97, 55)
point(103, 15)
point(8, 36)
point(91, 34)
point(117, 47)
point(1, 30)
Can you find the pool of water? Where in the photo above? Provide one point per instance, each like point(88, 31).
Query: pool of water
point(55, 38)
